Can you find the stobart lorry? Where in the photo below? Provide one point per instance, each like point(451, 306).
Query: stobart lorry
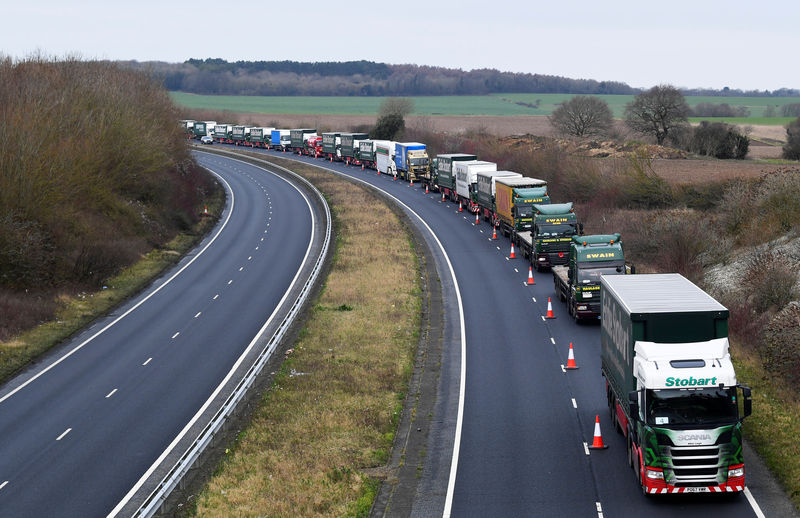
point(514, 200)
point(466, 173)
point(671, 386)
point(351, 143)
point(260, 137)
point(443, 174)
point(486, 191)
point(297, 138)
point(553, 227)
point(332, 146)
point(590, 258)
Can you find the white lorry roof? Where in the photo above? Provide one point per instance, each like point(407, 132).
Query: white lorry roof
point(659, 293)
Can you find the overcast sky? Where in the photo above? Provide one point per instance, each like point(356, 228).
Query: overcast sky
point(699, 43)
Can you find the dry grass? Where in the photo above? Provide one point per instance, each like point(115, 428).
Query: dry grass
point(333, 408)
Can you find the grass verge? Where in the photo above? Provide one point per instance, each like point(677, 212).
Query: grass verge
point(76, 311)
point(332, 411)
point(772, 428)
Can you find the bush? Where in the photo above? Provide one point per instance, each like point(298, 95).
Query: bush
point(769, 281)
point(790, 110)
point(641, 187)
point(718, 110)
point(719, 140)
point(781, 348)
point(791, 149)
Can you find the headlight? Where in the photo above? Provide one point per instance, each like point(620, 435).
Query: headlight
point(543, 259)
point(655, 475)
point(582, 308)
point(736, 472)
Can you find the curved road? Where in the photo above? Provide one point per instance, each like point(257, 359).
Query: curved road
point(525, 421)
point(79, 429)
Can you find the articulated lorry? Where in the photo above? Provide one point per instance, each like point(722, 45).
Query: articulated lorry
point(203, 128)
point(351, 144)
point(240, 135)
point(260, 137)
point(297, 139)
point(514, 200)
point(578, 282)
point(671, 386)
point(466, 173)
point(384, 157)
point(411, 161)
point(547, 244)
point(222, 133)
point(443, 175)
point(485, 192)
point(366, 153)
point(331, 146)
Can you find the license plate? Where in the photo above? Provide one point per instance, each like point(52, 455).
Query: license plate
point(696, 490)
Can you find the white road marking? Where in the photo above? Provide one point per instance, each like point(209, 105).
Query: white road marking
point(3, 484)
point(599, 510)
point(230, 282)
point(63, 434)
point(498, 248)
point(543, 320)
point(563, 369)
point(574, 403)
point(586, 448)
point(110, 393)
point(241, 268)
point(176, 335)
point(216, 296)
point(553, 340)
point(753, 504)
point(250, 258)
point(516, 270)
point(135, 306)
point(198, 314)
point(148, 361)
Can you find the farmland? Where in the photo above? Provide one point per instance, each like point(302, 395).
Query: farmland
point(469, 105)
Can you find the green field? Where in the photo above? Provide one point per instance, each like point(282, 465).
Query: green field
point(490, 105)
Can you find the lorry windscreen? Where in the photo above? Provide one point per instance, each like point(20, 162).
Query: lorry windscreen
point(705, 406)
point(560, 230)
point(591, 274)
point(419, 161)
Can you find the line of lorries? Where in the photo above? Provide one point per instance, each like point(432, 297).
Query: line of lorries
point(671, 387)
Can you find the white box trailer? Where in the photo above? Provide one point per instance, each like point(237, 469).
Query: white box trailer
point(384, 156)
point(466, 174)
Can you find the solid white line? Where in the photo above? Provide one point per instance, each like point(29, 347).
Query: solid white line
point(176, 335)
point(753, 503)
point(574, 403)
point(110, 393)
point(3, 484)
point(80, 346)
point(146, 362)
point(198, 314)
point(230, 374)
point(63, 434)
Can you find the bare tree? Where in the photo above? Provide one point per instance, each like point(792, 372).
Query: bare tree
point(401, 106)
point(582, 116)
point(659, 112)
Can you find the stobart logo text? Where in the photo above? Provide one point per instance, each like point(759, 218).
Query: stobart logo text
point(691, 381)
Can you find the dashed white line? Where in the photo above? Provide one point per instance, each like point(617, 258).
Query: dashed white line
point(574, 403)
point(599, 510)
point(516, 270)
point(498, 248)
point(543, 320)
point(240, 269)
point(176, 335)
point(586, 448)
point(147, 361)
point(198, 314)
point(216, 296)
point(110, 393)
point(563, 369)
point(533, 298)
point(553, 340)
point(251, 257)
point(231, 282)
point(64, 434)
point(3, 484)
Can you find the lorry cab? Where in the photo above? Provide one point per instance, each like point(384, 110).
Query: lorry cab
point(590, 258)
point(553, 228)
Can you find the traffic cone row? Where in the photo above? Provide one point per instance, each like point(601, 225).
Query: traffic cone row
point(512, 255)
point(460, 208)
point(530, 276)
point(571, 359)
point(477, 219)
point(494, 232)
point(442, 197)
point(426, 188)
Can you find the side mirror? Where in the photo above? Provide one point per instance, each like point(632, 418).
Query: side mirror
point(633, 400)
point(569, 274)
point(748, 401)
point(580, 229)
point(633, 269)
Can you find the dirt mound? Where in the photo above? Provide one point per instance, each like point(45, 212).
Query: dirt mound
point(592, 148)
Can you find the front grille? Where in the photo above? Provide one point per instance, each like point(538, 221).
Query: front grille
point(694, 466)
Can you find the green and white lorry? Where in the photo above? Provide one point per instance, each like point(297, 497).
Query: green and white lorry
point(547, 244)
point(578, 282)
point(443, 175)
point(514, 200)
point(671, 386)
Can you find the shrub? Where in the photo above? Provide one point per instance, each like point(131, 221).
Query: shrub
point(790, 110)
point(778, 201)
point(769, 281)
point(719, 140)
point(781, 347)
point(791, 149)
point(718, 110)
point(640, 186)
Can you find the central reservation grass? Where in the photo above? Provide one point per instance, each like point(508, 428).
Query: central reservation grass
point(333, 409)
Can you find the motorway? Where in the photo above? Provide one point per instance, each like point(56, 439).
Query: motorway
point(526, 422)
point(80, 428)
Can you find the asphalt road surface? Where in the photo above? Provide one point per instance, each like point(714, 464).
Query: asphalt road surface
point(79, 428)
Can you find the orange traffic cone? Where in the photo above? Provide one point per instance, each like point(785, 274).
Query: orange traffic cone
point(460, 208)
point(410, 182)
point(494, 232)
point(549, 309)
point(477, 219)
point(530, 276)
point(362, 167)
point(597, 442)
point(442, 197)
point(512, 255)
point(426, 189)
point(205, 210)
point(571, 359)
